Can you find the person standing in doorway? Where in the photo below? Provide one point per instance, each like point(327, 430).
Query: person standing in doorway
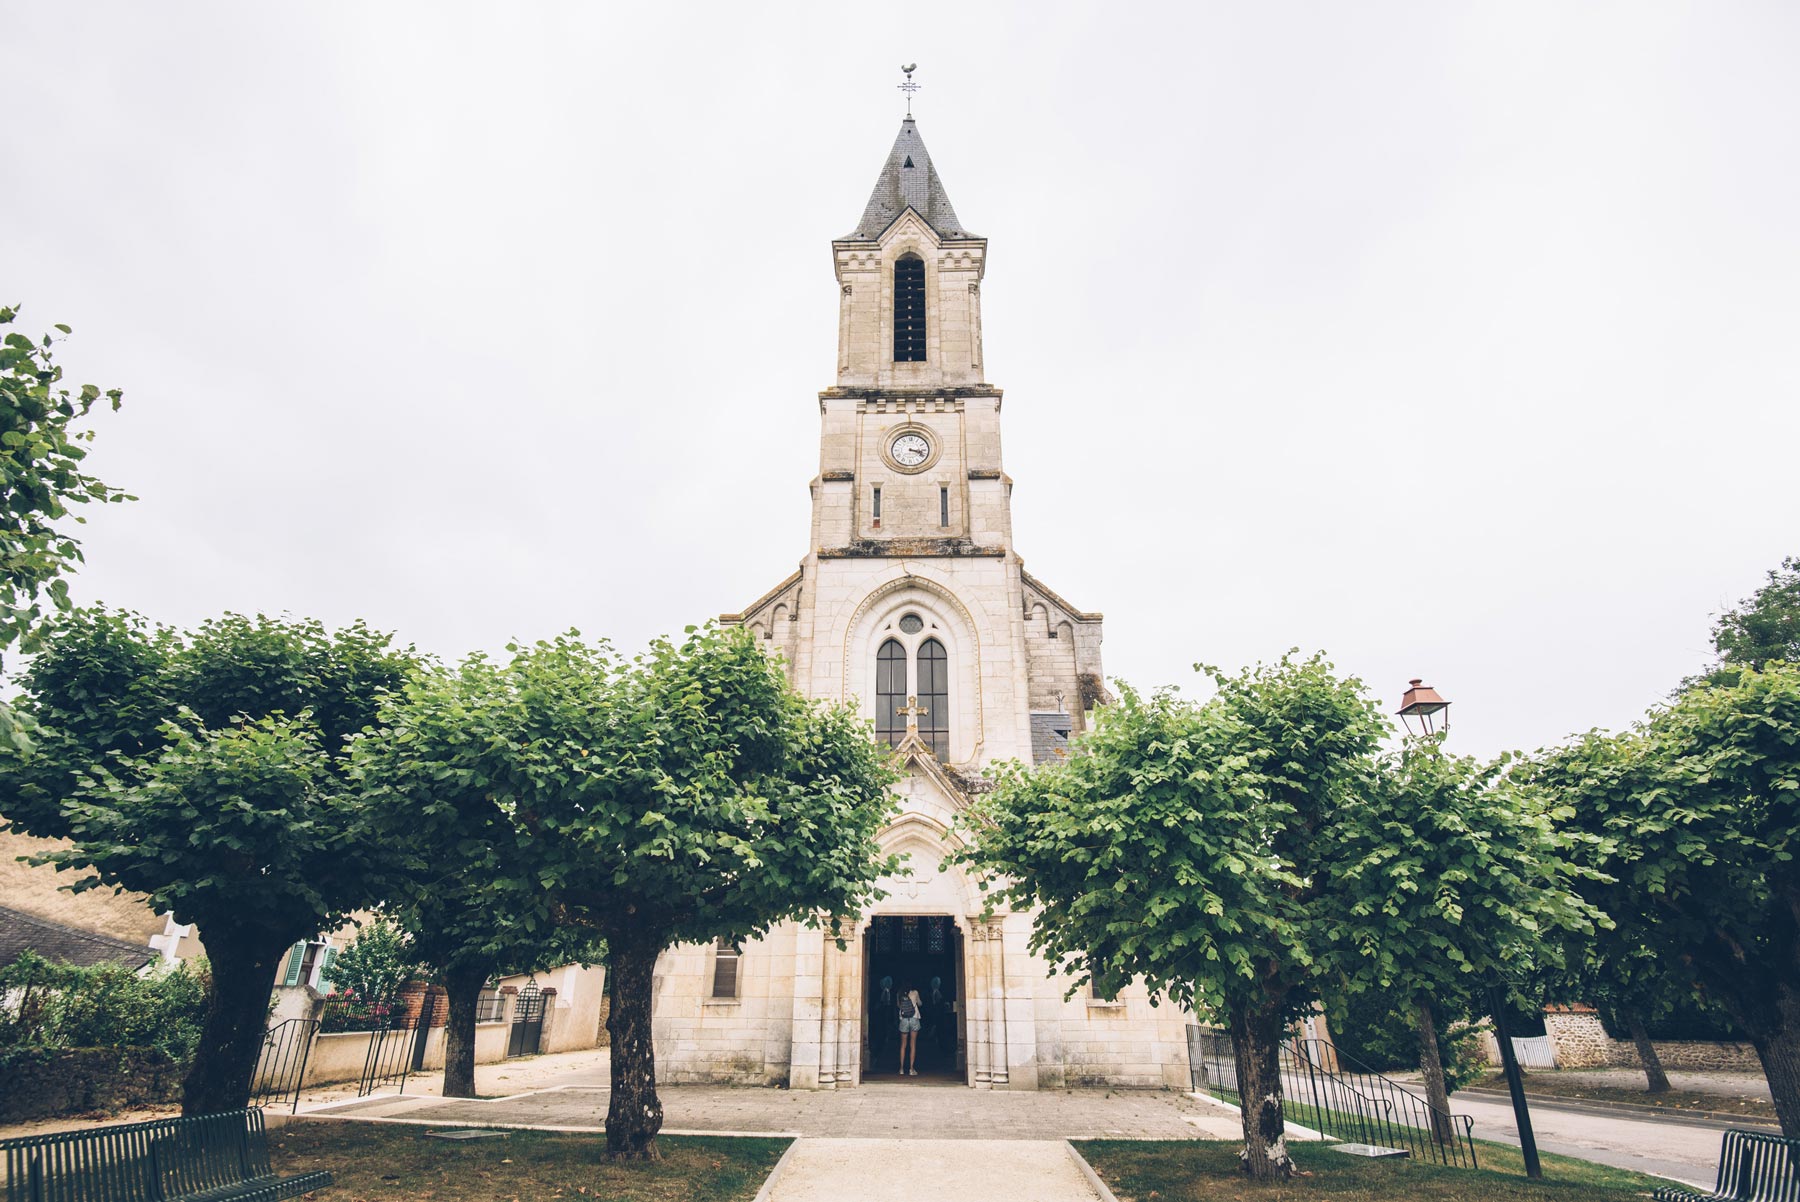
point(910, 1021)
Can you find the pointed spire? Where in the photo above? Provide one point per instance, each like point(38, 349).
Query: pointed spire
point(908, 180)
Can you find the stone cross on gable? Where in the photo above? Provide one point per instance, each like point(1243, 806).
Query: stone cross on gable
point(913, 710)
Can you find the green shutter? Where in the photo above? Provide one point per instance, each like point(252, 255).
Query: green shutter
point(291, 974)
point(325, 985)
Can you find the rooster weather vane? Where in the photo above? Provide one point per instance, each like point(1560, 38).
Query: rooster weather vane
point(909, 87)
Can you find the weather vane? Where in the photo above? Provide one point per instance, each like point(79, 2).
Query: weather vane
point(909, 87)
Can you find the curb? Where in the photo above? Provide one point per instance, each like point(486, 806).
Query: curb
point(561, 1130)
point(1087, 1170)
point(768, 1187)
point(1656, 1114)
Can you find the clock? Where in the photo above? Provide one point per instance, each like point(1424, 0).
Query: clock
point(910, 449)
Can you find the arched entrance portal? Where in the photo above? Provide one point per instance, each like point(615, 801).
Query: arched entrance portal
point(922, 952)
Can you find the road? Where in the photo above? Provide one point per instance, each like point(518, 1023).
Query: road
point(1660, 1146)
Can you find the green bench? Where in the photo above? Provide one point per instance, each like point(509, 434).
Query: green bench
point(1754, 1166)
point(208, 1158)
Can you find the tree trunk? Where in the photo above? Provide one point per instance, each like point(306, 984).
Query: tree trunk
point(462, 985)
point(1778, 1047)
point(1256, 1040)
point(1653, 1069)
point(1431, 1065)
point(237, 1019)
point(634, 1115)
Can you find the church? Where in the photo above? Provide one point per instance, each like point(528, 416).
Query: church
point(913, 603)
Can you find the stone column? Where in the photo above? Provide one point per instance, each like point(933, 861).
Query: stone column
point(839, 1011)
point(809, 967)
point(987, 994)
point(846, 1003)
point(974, 1004)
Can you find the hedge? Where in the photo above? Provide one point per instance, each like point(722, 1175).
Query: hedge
point(45, 1082)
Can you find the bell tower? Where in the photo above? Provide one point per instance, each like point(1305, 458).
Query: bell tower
point(910, 449)
point(909, 275)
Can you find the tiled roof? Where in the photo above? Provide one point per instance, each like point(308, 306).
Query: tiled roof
point(21, 932)
point(908, 180)
point(1049, 736)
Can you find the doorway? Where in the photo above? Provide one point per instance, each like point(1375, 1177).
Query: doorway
point(922, 952)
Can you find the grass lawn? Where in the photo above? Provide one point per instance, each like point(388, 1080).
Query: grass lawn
point(1188, 1171)
point(372, 1161)
point(1550, 1085)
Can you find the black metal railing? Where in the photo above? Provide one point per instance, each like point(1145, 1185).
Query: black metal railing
point(282, 1064)
point(490, 1006)
point(1341, 1099)
point(390, 1055)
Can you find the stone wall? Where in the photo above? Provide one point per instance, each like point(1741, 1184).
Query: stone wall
point(1580, 1041)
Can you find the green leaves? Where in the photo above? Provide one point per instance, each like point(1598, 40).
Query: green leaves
point(1693, 818)
point(40, 478)
point(688, 788)
point(206, 770)
point(1187, 845)
point(1456, 875)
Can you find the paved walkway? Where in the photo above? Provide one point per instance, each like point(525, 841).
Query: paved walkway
point(888, 1110)
point(904, 1170)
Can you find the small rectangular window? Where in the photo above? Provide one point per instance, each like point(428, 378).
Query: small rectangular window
point(876, 511)
point(943, 505)
point(725, 968)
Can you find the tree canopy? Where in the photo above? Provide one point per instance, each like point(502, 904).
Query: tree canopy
point(42, 446)
point(208, 772)
point(1699, 810)
point(1765, 627)
point(1456, 877)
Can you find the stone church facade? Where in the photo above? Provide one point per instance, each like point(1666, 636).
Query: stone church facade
point(913, 603)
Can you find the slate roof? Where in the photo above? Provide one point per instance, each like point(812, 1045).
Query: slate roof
point(21, 932)
point(1050, 736)
point(908, 180)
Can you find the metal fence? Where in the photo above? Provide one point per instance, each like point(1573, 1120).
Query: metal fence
point(1348, 1101)
point(282, 1064)
point(397, 1049)
point(490, 1006)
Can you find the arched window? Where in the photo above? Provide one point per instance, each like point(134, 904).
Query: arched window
point(934, 696)
point(890, 692)
point(909, 309)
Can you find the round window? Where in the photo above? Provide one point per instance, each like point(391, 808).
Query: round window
point(912, 623)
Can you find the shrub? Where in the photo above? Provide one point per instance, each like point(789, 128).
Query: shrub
point(373, 968)
point(55, 1006)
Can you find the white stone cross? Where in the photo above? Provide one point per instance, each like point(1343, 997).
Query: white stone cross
point(913, 710)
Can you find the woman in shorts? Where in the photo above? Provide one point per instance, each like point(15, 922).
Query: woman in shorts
point(910, 1020)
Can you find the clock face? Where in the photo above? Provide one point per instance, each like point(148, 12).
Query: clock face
point(910, 450)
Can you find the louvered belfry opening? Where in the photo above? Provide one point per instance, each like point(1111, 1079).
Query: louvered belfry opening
point(909, 309)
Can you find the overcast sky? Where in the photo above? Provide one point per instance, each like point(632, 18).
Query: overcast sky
point(1456, 340)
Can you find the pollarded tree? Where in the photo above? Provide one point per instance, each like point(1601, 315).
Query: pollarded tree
point(469, 894)
point(677, 797)
point(1192, 846)
point(1700, 808)
point(208, 772)
point(1455, 876)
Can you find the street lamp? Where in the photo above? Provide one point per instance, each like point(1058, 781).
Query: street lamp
point(1420, 708)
